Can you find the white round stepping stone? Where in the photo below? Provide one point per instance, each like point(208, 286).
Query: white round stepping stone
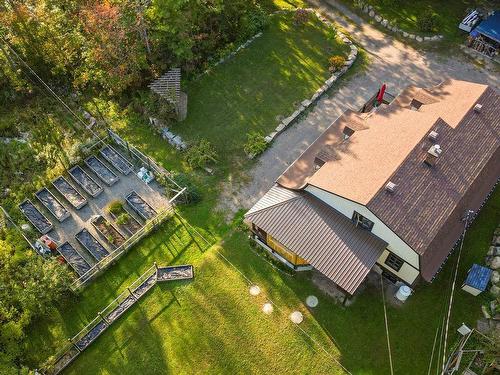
point(312, 301)
point(25, 227)
point(254, 290)
point(267, 308)
point(296, 317)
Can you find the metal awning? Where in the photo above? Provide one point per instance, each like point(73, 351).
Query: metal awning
point(315, 231)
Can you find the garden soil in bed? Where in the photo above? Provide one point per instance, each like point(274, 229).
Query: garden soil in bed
point(140, 206)
point(93, 246)
point(116, 159)
point(75, 260)
point(69, 192)
point(102, 171)
point(39, 221)
point(131, 226)
point(52, 204)
point(85, 181)
point(108, 231)
point(175, 273)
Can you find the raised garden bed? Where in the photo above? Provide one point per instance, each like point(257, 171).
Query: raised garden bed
point(140, 206)
point(124, 220)
point(85, 181)
point(90, 244)
point(116, 159)
point(108, 231)
point(104, 173)
point(39, 221)
point(69, 192)
point(52, 204)
point(74, 259)
point(175, 273)
point(91, 335)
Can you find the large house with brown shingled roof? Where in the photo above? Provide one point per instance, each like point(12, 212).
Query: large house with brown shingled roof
point(386, 190)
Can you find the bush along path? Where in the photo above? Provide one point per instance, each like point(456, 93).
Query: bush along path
point(114, 310)
point(337, 70)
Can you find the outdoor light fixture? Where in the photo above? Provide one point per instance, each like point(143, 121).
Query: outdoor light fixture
point(267, 308)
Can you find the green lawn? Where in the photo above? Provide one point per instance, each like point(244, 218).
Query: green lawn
point(405, 13)
point(279, 70)
point(209, 325)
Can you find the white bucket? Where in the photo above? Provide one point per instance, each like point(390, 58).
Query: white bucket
point(403, 293)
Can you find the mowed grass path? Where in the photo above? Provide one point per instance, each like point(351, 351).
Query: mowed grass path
point(209, 325)
point(286, 65)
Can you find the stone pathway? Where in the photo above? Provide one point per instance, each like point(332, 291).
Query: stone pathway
point(391, 62)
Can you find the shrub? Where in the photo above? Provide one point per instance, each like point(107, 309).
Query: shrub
point(427, 21)
point(192, 193)
point(336, 62)
point(115, 207)
point(123, 219)
point(301, 16)
point(200, 154)
point(254, 22)
point(256, 143)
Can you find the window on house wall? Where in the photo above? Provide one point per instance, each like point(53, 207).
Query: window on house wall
point(362, 221)
point(394, 262)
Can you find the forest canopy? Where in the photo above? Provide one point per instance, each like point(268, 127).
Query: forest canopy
point(112, 46)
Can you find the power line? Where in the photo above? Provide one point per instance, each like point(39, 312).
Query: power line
point(78, 118)
point(469, 212)
point(386, 325)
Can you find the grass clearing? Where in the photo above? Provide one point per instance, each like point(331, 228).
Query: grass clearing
point(270, 78)
point(405, 13)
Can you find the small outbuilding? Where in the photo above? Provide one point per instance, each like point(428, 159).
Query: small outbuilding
point(477, 279)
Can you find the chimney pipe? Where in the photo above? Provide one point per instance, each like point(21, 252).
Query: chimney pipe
point(432, 155)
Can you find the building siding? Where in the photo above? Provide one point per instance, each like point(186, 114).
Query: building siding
point(347, 208)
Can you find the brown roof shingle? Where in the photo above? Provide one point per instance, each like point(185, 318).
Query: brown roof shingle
point(382, 143)
point(426, 196)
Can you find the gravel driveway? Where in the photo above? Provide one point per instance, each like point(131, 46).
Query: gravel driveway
point(391, 62)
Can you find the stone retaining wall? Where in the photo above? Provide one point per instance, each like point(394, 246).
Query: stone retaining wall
point(370, 11)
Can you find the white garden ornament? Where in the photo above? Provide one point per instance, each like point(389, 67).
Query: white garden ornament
point(254, 290)
point(296, 317)
point(267, 308)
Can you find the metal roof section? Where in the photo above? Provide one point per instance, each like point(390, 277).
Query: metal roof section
point(274, 196)
point(325, 238)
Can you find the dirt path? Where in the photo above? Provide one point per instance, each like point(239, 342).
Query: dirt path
point(391, 62)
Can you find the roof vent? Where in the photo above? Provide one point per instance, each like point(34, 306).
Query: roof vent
point(433, 135)
point(347, 132)
point(390, 187)
point(432, 155)
point(478, 107)
point(415, 105)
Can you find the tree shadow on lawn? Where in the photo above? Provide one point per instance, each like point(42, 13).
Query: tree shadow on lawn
point(129, 346)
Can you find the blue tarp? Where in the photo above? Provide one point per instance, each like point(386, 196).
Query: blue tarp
point(478, 277)
point(490, 27)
